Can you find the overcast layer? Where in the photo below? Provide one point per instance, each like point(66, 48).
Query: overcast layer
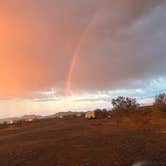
point(123, 44)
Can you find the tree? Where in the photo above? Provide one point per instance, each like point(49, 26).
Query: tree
point(101, 113)
point(160, 103)
point(125, 103)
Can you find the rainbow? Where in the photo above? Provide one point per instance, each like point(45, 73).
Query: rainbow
point(68, 91)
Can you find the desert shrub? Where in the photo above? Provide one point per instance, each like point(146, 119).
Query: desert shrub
point(160, 103)
point(3, 125)
point(101, 113)
point(124, 104)
point(159, 106)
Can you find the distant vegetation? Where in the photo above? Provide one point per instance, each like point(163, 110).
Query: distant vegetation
point(129, 106)
point(160, 103)
point(122, 107)
point(102, 113)
point(125, 104)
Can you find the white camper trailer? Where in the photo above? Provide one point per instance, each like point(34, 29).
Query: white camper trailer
point(90, 115)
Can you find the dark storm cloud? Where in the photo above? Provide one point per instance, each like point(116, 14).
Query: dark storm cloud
point(124, 46)
point(128, 53)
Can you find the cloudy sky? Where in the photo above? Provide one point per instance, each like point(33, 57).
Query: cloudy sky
point(58, 55)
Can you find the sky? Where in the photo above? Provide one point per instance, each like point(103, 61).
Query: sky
point(61, 55)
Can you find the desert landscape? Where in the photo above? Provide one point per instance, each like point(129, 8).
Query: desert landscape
point(82, 82)
point(117, 141)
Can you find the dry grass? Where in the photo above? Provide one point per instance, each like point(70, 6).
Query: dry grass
point(118, 141)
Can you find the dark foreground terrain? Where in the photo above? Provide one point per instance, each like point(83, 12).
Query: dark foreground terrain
point(79, 142)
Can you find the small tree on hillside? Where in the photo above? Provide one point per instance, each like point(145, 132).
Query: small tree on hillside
point(125, 103)
point(160, 102)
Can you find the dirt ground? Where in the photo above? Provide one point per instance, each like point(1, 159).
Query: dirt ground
point(80, 142)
